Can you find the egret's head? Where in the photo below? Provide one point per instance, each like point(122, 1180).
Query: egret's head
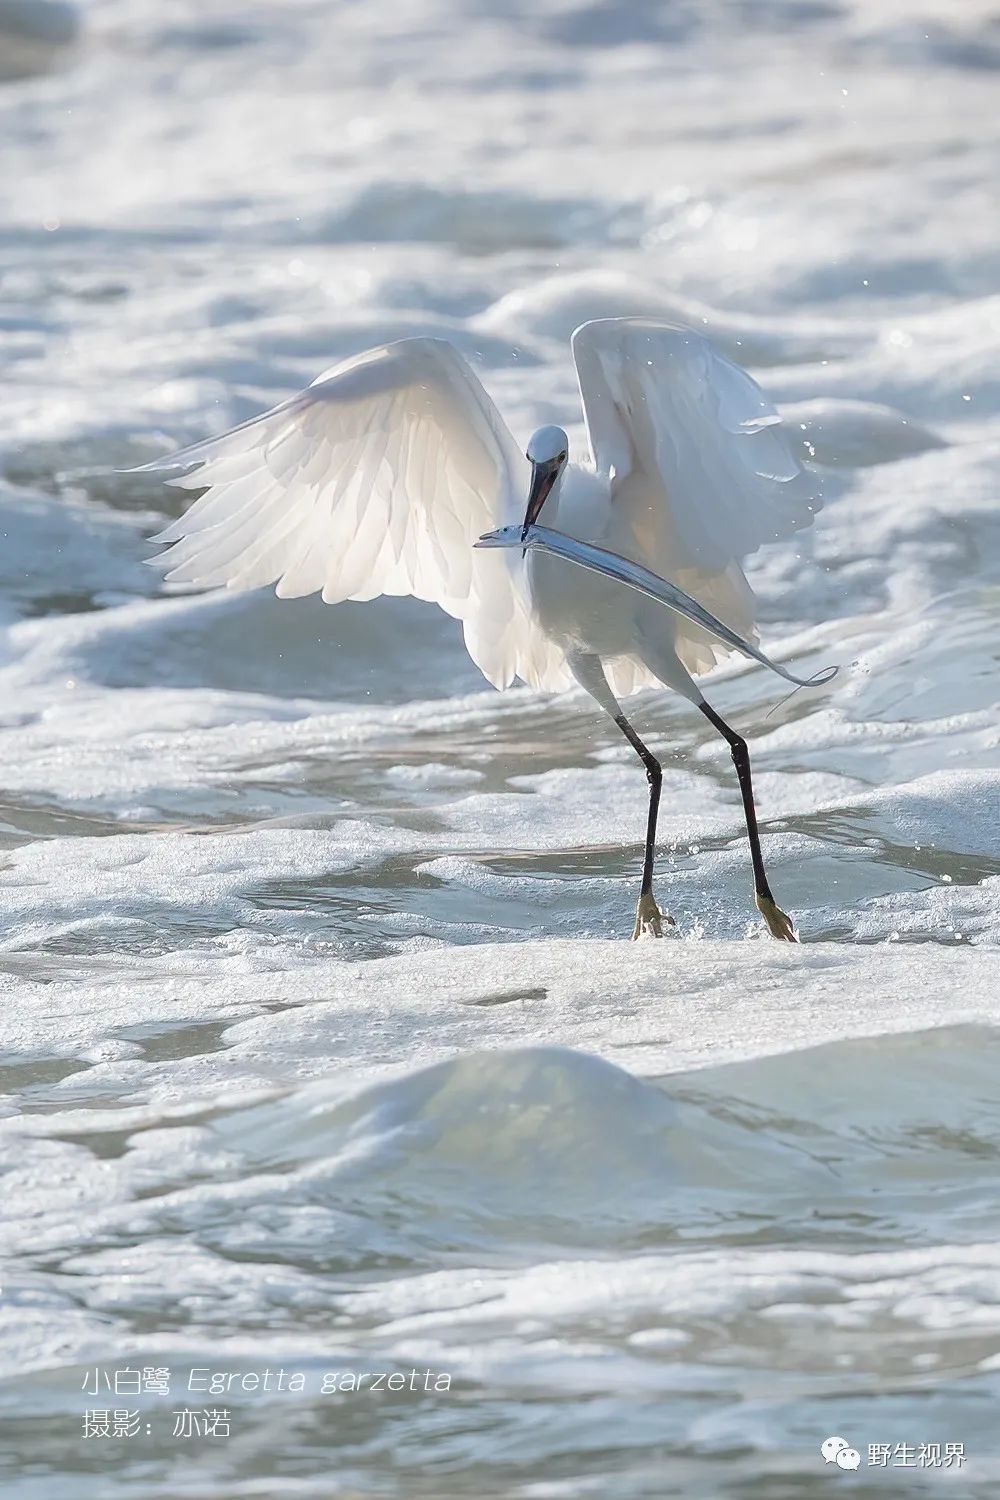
point(549, 445)
point(547, 454)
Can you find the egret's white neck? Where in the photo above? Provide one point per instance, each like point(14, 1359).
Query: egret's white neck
point(577, 504)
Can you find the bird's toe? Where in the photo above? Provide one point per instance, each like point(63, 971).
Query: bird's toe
point(649, 919)
point(778, 923)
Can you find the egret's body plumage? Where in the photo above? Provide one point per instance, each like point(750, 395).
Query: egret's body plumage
point(582, 611)
point(383, 474)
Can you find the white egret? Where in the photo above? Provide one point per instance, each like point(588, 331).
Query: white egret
point(381, 476)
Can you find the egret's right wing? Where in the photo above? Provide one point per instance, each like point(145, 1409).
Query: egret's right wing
point(695, 451)
point(377, 479)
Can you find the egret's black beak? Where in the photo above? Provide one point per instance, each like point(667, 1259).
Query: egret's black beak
point(543, 477)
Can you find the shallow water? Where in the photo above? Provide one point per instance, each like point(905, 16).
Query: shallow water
point(323, 1048)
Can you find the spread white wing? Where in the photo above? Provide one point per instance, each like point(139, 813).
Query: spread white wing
point(702, 472)
point(376, 480)
point(669, 415)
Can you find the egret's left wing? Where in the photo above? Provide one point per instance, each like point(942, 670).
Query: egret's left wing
point(695, 452)
point(377, 479)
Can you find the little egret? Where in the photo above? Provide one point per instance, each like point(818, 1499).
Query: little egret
point(381, 477)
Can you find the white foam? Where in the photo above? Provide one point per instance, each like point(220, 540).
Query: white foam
point(323, 1036)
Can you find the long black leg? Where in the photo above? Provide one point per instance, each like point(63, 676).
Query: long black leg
point(648, 915)
point(589, 673)
point(654, 775)
point(778, 923)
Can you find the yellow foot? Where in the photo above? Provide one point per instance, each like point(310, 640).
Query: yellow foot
point(649, 918)
point(778, 924)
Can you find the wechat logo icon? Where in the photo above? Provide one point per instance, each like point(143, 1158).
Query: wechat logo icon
point(837, 1450)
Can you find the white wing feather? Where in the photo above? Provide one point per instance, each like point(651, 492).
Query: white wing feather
point(376, 480)
point(674, 421)
point(701, 470)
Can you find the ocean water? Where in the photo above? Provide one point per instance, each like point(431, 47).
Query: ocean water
point(323, 1047)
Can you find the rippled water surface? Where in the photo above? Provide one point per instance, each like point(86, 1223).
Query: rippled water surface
point(323, 1049)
